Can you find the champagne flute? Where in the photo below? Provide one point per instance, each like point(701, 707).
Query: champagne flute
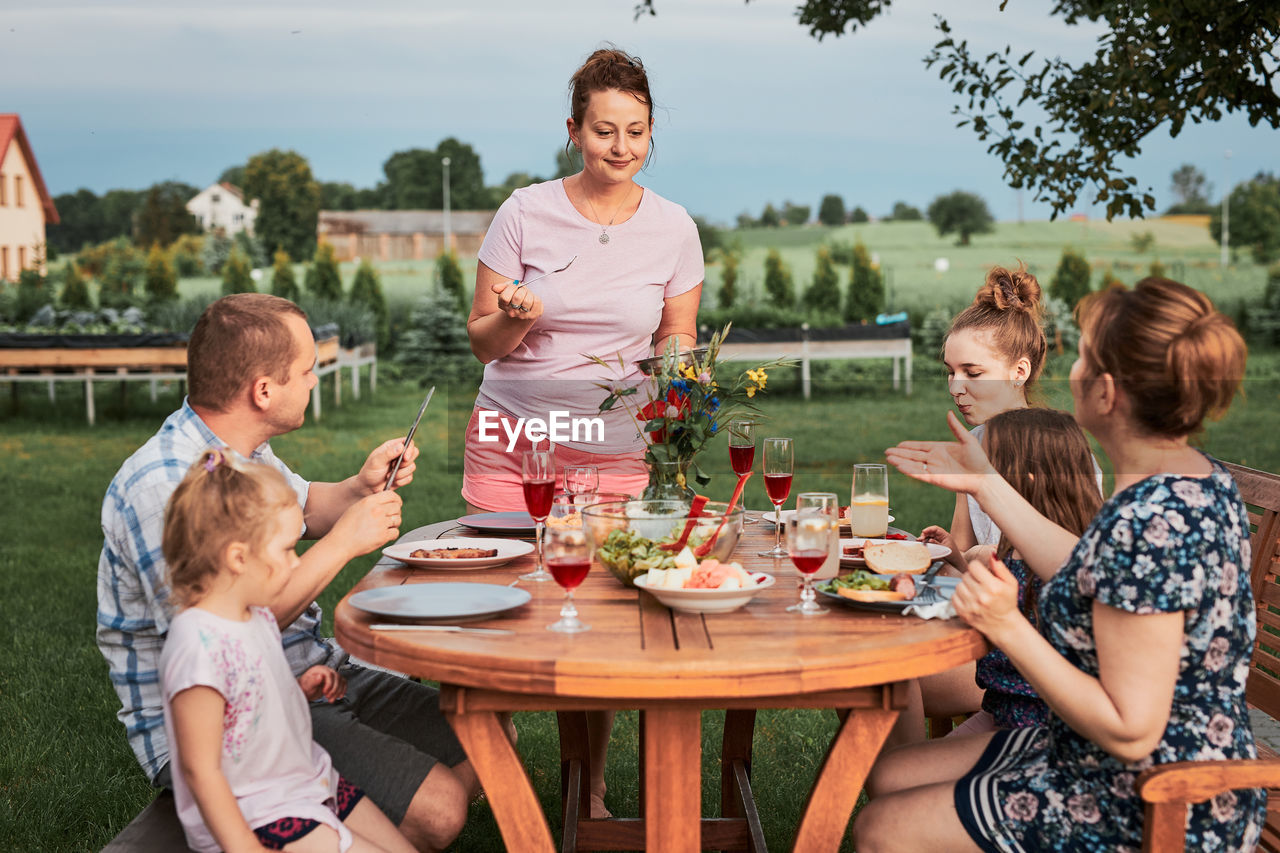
point(869, 501)
point(742, 454)
point(539, 481)
point(569, 558)
point(581, 479)
point(778, 467)
point(809, 537)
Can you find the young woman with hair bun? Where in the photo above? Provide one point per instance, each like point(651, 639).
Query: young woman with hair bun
point(632, 288)
point(1147, 619)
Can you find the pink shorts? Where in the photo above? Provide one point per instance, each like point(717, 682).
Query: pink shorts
point(491, 475)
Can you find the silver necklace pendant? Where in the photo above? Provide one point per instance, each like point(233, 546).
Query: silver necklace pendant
point(604, 237)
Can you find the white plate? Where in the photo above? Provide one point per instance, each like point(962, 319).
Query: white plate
point(508, 550)
point(706, 600)
point(771, 517)
point(936, 551)
point(454, 602)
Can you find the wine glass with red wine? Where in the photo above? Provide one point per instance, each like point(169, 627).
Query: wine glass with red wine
point(569, 558)
point(809, 540)
point(539, 481)
point(742, 453)
point(778, 466)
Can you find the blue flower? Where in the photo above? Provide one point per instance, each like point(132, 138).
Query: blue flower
point(713, 404)
point(713, 427)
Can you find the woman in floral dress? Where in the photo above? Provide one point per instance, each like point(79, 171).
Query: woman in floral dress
point(1146, 621)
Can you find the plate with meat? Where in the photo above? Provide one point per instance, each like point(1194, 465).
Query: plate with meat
point(865, 590)
point(458, 554)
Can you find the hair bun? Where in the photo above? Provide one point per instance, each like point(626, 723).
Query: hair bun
point(1011, 290)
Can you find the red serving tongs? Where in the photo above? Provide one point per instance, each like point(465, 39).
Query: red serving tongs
point(705, 548)
point(695, 512)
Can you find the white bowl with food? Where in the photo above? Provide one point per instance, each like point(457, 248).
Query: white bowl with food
point(708, 587)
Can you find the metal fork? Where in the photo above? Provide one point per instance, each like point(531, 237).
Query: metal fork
point(928, 593)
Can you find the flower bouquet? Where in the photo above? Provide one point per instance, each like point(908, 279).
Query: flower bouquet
point(691, 398)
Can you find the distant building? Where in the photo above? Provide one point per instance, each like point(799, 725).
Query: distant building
point(25, 204)
point(221, 207)
point(398, 235)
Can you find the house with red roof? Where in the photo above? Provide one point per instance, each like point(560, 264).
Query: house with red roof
point(222, 208)
point(25, 204)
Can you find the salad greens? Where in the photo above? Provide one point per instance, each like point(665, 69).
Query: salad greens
point(627, 551)
point(859, 579)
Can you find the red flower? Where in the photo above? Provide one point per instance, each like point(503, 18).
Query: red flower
point(658, 409)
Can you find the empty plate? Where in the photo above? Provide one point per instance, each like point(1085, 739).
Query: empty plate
point(440, 601)
point(499, 522)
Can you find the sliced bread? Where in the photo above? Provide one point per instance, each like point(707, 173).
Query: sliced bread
point(892, 558)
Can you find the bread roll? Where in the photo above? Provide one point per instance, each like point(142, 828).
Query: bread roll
point(893, 558)
point(872, 594)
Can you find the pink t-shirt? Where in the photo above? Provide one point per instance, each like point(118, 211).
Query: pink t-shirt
point(607, 304)
point(273, 766)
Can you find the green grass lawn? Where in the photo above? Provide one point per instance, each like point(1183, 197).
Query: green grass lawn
point(68, 781)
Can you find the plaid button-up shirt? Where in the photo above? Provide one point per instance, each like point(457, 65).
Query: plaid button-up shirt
point(133, 597)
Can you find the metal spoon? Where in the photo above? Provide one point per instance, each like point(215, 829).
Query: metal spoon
point(529, 281)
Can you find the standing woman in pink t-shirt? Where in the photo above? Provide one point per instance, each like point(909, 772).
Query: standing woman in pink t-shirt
point(633, 285)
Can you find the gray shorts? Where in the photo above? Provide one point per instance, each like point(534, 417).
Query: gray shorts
point(385, 735)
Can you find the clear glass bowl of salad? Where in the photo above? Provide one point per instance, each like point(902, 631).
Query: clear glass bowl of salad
point(625, 535)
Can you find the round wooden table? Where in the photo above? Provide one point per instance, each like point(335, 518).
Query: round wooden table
point(672, 666)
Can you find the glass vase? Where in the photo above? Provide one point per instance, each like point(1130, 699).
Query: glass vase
point(667, 482)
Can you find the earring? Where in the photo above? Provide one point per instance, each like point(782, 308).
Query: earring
point(1017, 383)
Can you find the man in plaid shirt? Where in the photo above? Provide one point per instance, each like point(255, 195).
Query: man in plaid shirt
point(250, 372)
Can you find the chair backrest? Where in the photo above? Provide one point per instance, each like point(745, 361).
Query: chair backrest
point(1261, 492)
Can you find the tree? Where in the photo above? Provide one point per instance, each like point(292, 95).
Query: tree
point(118, 207)
point(823, 292)
point(903, 212)
point(568, 162)
point(777, 281)
point(962, 213)
point(119, 274)
point(237, 275)
point(216, 251)
point(415, 178)
point(80, 221)
point(449, 275)
point(1108, 279)
point(323, 279)
point(33, 294)
point(163, 216)
point(709, 236)
point(859, 215)
point(366, 290)
point(288, 200)
point(746, 220)
point(233, 175)
point(831, 210)
point(1192, 190)
point(769, 217)
point(1142, 241)
point(283, 282)
point(1070, 282)
point(1255, 217)
point(513, 182)
point(1157, 62)
point(728, 294)
point(160, 281)
point(795, 214)
point(75, 290)
point(866, 288)
point(338, 195)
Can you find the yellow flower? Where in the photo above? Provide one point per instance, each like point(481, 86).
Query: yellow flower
point(751, 390)
point(688, 372)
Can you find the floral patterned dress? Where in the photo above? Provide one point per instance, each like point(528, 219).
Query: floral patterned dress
point(1169, 543)
point(1007, 697)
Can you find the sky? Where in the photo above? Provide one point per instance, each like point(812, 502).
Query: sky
point(751, 109)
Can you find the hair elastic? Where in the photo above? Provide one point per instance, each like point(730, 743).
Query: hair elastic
point(213, 460)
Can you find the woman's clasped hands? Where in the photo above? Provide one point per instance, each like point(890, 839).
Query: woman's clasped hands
point(987, 599)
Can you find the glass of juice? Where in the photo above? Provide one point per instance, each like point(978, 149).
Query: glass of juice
point(779, 463)
point(569, 559)
point(811, 532)
point(539, 482)
point(869, 504)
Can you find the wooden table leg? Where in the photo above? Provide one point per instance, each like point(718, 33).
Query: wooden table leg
point(839, 782)
point(506, 784)
point(673, 779)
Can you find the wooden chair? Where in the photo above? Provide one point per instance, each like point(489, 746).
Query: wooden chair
point(1169, 789)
